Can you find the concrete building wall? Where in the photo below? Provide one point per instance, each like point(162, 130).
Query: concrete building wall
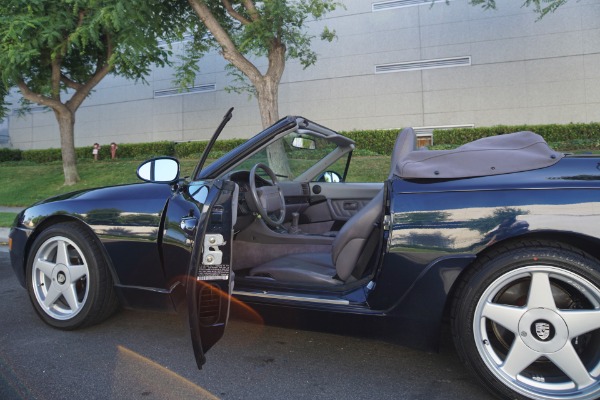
point(517, 71)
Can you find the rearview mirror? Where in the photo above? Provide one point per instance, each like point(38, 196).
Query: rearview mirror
point(159, 170)
point(303, 143)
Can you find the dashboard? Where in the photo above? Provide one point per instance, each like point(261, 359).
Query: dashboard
point(296, 195)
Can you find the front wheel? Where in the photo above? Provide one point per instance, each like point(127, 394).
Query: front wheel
point(68, 279)
point(526, 321)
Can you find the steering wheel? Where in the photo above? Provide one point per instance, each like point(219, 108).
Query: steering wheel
point(268, 199)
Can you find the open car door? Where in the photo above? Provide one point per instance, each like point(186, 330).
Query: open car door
point(210, 280)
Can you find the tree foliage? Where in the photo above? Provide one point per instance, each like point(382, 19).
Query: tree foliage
point(247, 30)
point(541, 7)
point(56, 52)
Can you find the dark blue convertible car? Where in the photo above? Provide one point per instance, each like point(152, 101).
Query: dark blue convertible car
point(499, 237)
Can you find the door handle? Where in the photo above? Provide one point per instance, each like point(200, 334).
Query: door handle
point(350, 205)
point(188, 224)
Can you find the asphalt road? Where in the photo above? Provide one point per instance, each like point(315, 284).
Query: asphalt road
point(141, 355)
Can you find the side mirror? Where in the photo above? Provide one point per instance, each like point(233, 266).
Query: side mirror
point(159, 170)
point(329, 176)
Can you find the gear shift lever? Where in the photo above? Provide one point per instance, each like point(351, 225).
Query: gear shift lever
point(294, 227)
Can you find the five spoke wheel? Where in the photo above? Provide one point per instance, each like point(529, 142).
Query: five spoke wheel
point(534, 317)
point(69, 283)
point(60, 278)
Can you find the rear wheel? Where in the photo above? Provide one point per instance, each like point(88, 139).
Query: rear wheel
point(68, 279)
point(527, 322)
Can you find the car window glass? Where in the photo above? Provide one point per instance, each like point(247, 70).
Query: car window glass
point(339, 167)
point(371, 168)
point(295, 160)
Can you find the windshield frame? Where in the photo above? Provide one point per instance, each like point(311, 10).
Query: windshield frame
point(289, 124)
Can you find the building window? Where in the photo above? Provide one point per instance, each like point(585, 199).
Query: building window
point(423, 64)
point(425, 133)
point(211, 87)
point(393, 4)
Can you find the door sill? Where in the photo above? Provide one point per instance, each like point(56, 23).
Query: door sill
point(302, 299)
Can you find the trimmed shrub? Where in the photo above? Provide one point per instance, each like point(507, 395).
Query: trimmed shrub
point(42, 156)
point(10, 155)
point(141, 150)
point(376, 141)
point(579, 135)
point(190, 149)
point(196, 148)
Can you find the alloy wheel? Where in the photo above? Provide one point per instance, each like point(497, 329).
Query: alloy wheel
point(537, 329)
point(60, 277)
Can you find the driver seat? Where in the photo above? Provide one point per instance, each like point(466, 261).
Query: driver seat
point(336, 268)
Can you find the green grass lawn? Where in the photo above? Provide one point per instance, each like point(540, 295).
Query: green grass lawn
point(6, 219)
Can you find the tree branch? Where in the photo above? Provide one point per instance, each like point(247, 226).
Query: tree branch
point(55, 78)
point(276, 58)
point(37, 98)
point(102, 69)
point(228, 48)
point(81, 17)
point(234, 14)
point(249, 4)
point(70, 83)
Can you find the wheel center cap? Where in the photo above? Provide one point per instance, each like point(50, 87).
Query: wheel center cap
point(61, 278)
point(60, 275)
point(543, 330)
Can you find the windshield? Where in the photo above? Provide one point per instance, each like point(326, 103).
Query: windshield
point(292, 155)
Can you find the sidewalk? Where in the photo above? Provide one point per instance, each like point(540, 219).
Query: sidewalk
point(4, 231)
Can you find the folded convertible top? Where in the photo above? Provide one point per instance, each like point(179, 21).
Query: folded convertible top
point(494, 155)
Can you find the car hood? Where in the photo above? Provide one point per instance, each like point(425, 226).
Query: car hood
point(101, 204)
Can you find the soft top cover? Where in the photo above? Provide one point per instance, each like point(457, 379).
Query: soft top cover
point(494, 155)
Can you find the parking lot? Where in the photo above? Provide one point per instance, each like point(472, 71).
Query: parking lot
point(141, 355)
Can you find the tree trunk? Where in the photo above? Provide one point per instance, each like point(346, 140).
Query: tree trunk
point(66, 124)
point(266, 85)
point(268, 95)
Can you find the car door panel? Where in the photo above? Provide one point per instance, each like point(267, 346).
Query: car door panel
point(337, 202)
point(210, 276)
point(342, 210)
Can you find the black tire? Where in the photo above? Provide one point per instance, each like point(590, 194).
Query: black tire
point(525, 309)
point(68, 279)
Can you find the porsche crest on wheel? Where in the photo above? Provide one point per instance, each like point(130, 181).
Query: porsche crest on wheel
point(542, 330)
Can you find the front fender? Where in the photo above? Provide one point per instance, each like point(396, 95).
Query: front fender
point(126, 220)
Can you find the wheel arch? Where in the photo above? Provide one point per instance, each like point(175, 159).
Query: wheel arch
point(585, 243)
point(57, 219)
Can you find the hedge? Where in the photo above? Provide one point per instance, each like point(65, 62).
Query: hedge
point(377, 141)
point(42, 156)
point(10, 155)
point(188, 149)
point(581, 136)
point(126, 150)
point(368, 142)
point(568, 137)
